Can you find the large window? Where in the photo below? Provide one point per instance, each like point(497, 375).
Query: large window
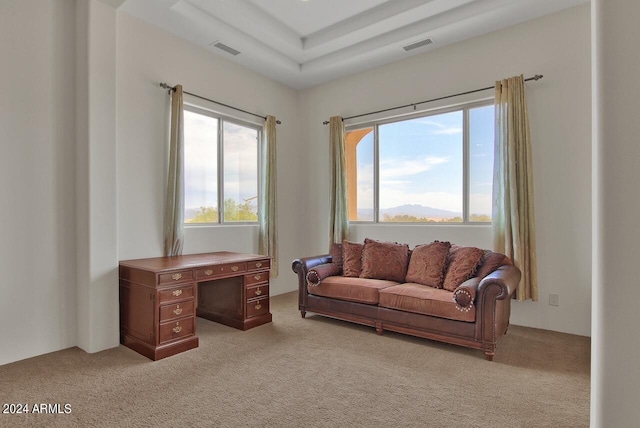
point(221, 168)
point(434, 168)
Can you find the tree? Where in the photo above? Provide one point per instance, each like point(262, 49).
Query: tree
point(239, 212)
point(233, 211)
point(205, 215)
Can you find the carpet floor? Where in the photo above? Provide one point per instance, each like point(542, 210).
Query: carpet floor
point(313, 372)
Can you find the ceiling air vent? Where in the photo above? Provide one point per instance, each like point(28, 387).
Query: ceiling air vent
point(426, 42)
point(225, 48)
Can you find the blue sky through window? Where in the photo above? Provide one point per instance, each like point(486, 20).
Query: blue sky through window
point(421, 163)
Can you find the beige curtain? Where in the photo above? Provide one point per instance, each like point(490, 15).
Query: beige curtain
point(339, 220)
point(174, 209)
point(513, 213)
point(268, 242)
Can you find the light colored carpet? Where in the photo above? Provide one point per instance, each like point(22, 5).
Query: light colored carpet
point(313, 372)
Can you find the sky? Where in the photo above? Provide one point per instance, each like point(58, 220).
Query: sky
point(201, 155)
point(421, 162)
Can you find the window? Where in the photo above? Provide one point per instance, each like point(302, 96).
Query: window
point(221, 168)
point(434, 168)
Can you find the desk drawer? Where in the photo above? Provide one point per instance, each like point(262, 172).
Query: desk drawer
point(256, 278)
point(177, 310)
point(258, 307)
point(175, 277)
point(257, 291)
point(220, 270)
point(174, 294)
point(176, 329)
point(259, 264)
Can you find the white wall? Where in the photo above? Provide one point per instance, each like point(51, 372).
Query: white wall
point(146, 56)
point(615, 377)
point(37, 168)
point(557, 46)
point(97, 259)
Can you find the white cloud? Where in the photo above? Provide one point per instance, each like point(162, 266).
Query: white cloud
point(398, 168)
point(441, 128)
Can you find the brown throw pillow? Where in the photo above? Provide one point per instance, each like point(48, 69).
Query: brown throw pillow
point(336, 253)
point(351, 258)
point(463, 263)
point(465, 294)
point(490, 262)
point(320, 272)
point(384, 260)
point(427, 264)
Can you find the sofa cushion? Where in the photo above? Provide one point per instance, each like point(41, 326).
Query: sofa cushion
point(422, 299)
point(427, 264)
point(361, 290)
point(462, 265)
point(384, 260)
point(490, 262)
point(351, 258)
point(320, 272)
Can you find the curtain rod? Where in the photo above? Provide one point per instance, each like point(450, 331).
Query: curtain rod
point(172, 88)
point(536, 77)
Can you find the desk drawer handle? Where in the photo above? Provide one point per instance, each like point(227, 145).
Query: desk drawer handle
point(258, 265)
point(176, 276)
point(258, 306)
point(208, 272)
point(177, 329)
point(177, 292)
point(177, 311)
point(257, 277)
point(234, 268)
point(258, 292)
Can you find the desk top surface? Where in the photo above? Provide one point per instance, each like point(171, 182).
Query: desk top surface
point(158, 264)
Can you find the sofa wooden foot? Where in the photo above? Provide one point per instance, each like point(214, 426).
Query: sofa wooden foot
point(489, 356)
point(303, 314)
point(379, 329)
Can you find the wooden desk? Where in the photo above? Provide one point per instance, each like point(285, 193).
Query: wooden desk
point(160, 297)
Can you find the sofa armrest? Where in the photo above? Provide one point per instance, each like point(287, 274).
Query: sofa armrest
point(493, 306)
point(301, 267)
point(501, 283)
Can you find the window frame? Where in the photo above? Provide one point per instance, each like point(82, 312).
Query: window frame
point(466, 160)
point(222, 118)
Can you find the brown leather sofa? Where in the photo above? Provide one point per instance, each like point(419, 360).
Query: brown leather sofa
point(475, 315)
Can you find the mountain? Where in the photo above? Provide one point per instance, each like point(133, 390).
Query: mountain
point(414, 210)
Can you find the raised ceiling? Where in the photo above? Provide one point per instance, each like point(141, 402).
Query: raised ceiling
point(302, 43)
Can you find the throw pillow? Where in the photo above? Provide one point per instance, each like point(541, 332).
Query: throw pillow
point(384, 260)
point(463, 263)
point(351, 258)
point(490, 262)
point(336, 253)
point(465, 294)
point(427, 264)
point(320, 272)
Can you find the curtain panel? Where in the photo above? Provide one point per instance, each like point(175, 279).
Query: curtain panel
point(268, 241)
point(339, 220)
point(174, 208)
point(513, 223)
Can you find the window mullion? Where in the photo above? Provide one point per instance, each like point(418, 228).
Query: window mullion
point(376, 175)
point(220, 171)
point(465, 165)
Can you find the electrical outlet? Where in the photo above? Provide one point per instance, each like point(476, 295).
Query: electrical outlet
point(554, 299)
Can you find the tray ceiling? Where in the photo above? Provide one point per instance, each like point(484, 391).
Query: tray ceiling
point(302, 43)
